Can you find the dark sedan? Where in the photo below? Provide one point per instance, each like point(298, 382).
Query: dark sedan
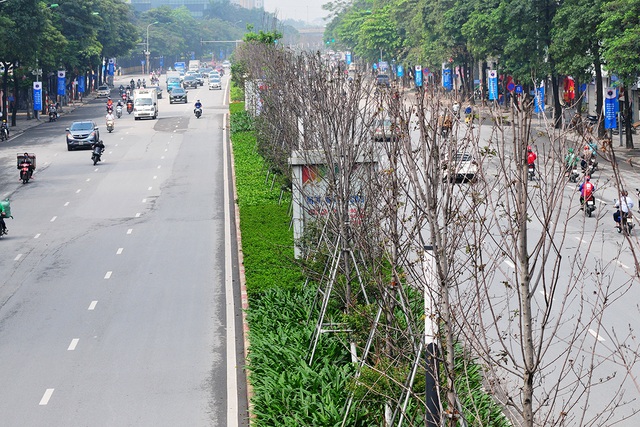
point(177, 95)
point(190, 81)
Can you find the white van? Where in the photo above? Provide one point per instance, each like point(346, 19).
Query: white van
point(145, 103)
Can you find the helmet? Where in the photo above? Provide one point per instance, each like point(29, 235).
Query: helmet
point(570, 150)
point(529, 148)
point(26, 154)
point(198, 100)
point(109, 98)
point(588, 178)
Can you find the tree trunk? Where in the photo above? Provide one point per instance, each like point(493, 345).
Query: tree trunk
point(557, 108)
point(627, 118)
point(599, 95)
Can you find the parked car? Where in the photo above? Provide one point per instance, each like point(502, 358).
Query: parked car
point(103, 91)
point(159, 90)
point(462, 168)
point(385, 129)
point(178, 94)
point(82, 134)
point(214, 83)
point(190, 81)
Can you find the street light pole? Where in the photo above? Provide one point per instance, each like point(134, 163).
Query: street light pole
point(147, 53)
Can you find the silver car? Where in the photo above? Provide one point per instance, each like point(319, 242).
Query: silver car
point(214, 83)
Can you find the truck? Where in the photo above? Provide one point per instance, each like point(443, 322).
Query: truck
point(145, 103)
point(179, 66)
point(173, 80)
point(194, 65)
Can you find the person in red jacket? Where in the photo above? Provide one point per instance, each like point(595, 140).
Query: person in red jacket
point(531, 157)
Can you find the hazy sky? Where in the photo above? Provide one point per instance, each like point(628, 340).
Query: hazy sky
point(304, 10)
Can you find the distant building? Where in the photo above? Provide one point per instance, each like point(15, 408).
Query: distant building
point(196, 7)
point(249, 4)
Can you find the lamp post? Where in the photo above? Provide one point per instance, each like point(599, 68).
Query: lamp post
point(146, 52)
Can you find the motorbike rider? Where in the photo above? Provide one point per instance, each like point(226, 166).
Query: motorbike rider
point(4, 128)
point(570, 160)
point(109, 104)
point(27, 159)
point(197, 105)
point(144, 83)
point(132, 84)
point(531, 158)
point(586, 190)
point(99, 145)
point(139, 83)
point(624, 206)
point(456, 109)
point(110, 117)
point(3, 214)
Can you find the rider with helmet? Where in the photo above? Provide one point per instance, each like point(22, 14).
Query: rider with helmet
point(531, 158)
point(586, 190)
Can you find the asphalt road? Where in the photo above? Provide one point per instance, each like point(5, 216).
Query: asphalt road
point(115, 282)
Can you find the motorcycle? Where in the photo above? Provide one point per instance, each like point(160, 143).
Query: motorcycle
point(110, 125)
point(129, 107)
point(96, 155)
point(573, 175)
point(531, 172)
point(53, 114)
point(4, 134)
point(626, 221)
point(198, 112)
point(25, 172)
point(589, 205)
point(6, 204)
point(118, 111)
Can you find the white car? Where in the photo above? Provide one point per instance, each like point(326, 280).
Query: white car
point(214, 75)
point(214, 83)
point(226, 64)
point(463, 168)
point(103, 92)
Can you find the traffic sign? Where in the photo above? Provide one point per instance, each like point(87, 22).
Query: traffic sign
point(511, 86)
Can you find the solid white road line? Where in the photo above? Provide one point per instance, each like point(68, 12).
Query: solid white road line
point(509, 263)
point(595, 334)
point(73, 345)
point(119, 251)
point(92, 306)
point(622, 265)
point(232, 364)
point(46, 397)
point(108, 275)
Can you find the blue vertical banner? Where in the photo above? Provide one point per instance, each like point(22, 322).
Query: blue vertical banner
point(447, 81)
point(610, 101)
point(112, 67)
point(347, 58)
point(81, 84)
point(400, 71)
point(418, 75)
point(37, 96)
point(61, 82)
point(538, 101)
point(493, 85)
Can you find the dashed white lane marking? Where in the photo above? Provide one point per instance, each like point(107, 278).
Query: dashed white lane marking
point(138, 214)
point(595, 334)
point(78, 190)
point(47, 395)
point(161, 157)
point(149, 189)
point(96, 169)
point(119, 251)
point(36, 236)
point(108, 275)
point(155, 177)
point(166, 149)
point(129, 231)
point(73, 345)
point(88, 179)
point(66, 204)
point(144, 200)
point(110, 152)
point(159, 166)
point(509, 263)
point(53, 219)
point(92, 306)
point(17, 258)
point(622, 265)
